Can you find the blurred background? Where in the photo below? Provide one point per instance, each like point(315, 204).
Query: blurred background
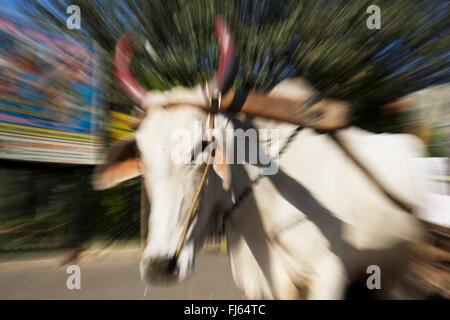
point(60, 106)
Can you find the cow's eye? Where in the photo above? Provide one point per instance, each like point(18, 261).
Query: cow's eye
point(203, 146)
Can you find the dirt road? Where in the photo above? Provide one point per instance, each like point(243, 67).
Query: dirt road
point(111, 274)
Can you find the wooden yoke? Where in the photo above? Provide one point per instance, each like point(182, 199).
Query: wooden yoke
point(325, 115)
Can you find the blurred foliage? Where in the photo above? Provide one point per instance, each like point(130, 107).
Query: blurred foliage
point(439, 144)
point(120, 208)
point(325, 41)
point(33, 233)
point(46, 206)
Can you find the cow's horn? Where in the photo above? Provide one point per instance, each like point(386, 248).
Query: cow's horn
point(226, 73)
point(222, 81)
point(122, 59)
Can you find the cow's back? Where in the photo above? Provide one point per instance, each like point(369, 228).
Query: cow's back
point(370, 219)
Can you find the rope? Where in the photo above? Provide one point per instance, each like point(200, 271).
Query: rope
point(215, 104)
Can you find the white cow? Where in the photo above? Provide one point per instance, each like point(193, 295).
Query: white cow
point(306, 232)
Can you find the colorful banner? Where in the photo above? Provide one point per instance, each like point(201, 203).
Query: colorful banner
point(50, 106)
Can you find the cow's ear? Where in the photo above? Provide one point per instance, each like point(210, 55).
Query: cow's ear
point(221, 168)
point(122, 163)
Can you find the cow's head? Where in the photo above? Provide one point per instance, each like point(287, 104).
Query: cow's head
point(169, 165)
point(167, 151)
